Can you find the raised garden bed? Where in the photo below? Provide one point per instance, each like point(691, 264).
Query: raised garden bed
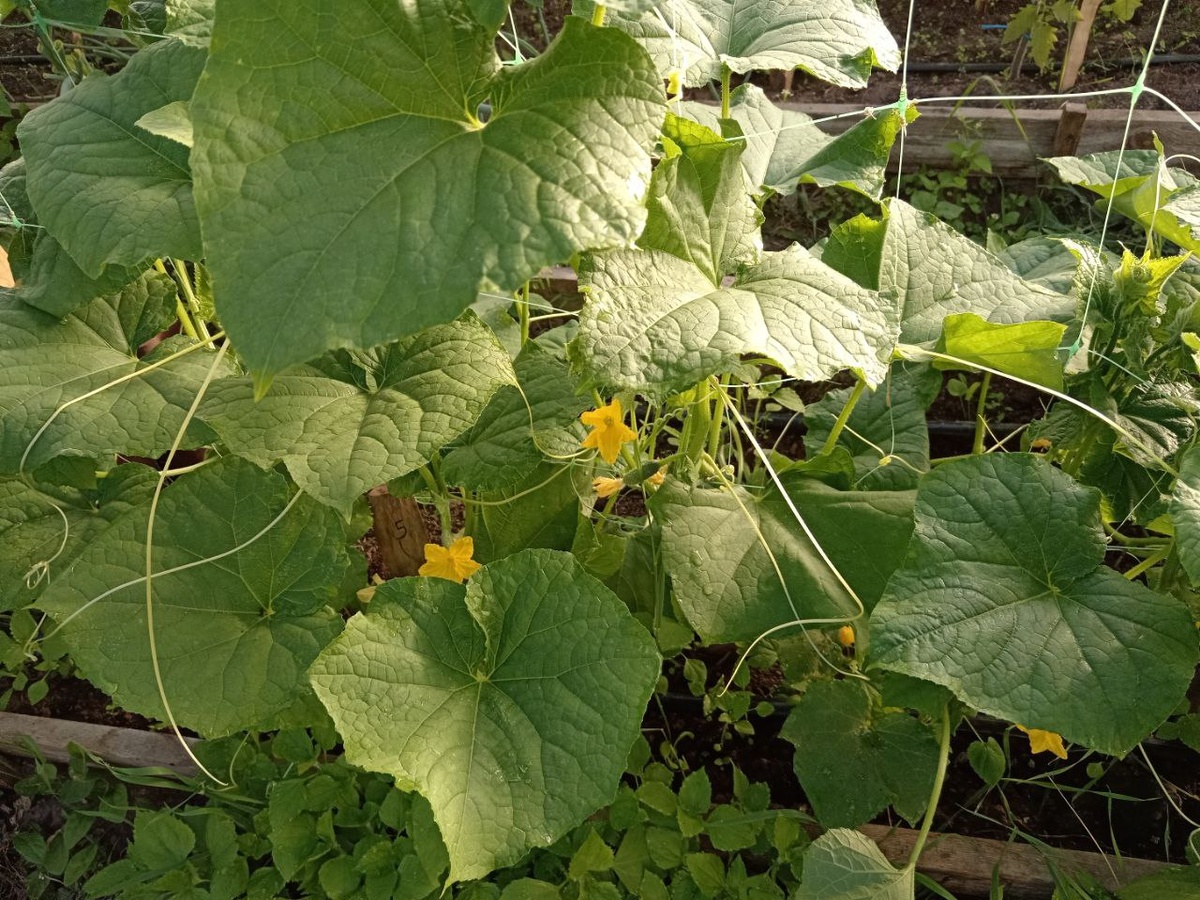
point(686, 590)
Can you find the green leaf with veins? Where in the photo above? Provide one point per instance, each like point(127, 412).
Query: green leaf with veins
point(936, 272)
point(33, 532)
point(110, 192)
point(510, 703)
point(542, 511)
point(699, 207)
point(778, 140)
point(1185, 513)
point(837, 40)
point(656, 325)
point(855, 248)
point(845, 865)
point(191, 20)
point(1004, 599)
point(352, 420)
point(784, 148)
point(856, 159)
point(511, 439)
point(236, 627)
point(86, 13)
point(886, 422)
point(854, 761)
point(715, 546)
point(47, 277)
point(1043, 261)
point(45, 365)
point(389, 175)
point(1028, 350)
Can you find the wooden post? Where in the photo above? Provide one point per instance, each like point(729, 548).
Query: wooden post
point(1081, 33)
point(1070, 129)
point(118, 746)
point(400, 531)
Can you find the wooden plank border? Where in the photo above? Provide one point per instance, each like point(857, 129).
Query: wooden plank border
point(962, 864)
point(1015, 141)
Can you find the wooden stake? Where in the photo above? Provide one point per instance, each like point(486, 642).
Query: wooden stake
point(1070, 129)
point(400, 531)
point(1081, 33)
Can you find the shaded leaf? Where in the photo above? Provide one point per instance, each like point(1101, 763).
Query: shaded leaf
point(509, 703)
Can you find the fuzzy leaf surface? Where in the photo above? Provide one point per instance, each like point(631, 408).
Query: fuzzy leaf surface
point(722, 573)
point(836, 40)
point(46, 275)
point(353, 420)
point(1004, 600)
point(33, 532)
point(44, 365)
point(937, 272)
point(845, 865)
point(510, 703)
point(510, 439)
point(1185, 512)
point(236, 625)
point(853, 762)
point(891, 419)
point(401, 201)
point(110, 192)
point(655, 324)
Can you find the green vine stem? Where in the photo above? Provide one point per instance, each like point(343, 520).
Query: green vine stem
point(441, 500)
point(523, 312)
point(981, 415)
point(935, 794)
point(189, 295)
point(717, 392)
point(840, 424)
point(185, 320)
point(726, 75)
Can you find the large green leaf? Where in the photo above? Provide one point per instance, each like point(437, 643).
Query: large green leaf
point(784, 148)
point(655, 324)
point(540, 511)
point(399, 200)
point(510, 704)
point(41, 533)
point(87, 13)
point(242, 586)
point(836, 40)
point(46, 275)
point(1044, 261)
point(700, 208)
point(886, 433)
point(110, 192)
point(353, 420)
point(1185, 513)
point(778, 141)
point(1003, 599)
point(44, 365)
point(853, 761)
point(718, 547)
point(1028, 350)
point(936, 272)
point(191, 20)
point(511, 438)
point(845, 865)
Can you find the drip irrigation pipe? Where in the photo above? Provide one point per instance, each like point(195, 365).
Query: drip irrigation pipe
point(1127, 63)
point(795, 424)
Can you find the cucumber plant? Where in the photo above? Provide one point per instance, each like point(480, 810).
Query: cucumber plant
point(298, 237)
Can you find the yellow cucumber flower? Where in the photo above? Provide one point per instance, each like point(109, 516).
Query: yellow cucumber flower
point(606, 487)
point(1044, 742)
point(453, 563)
point(609, 430)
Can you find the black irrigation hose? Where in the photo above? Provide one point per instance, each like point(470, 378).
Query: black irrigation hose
point(1127, 63)
point(795, 423)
